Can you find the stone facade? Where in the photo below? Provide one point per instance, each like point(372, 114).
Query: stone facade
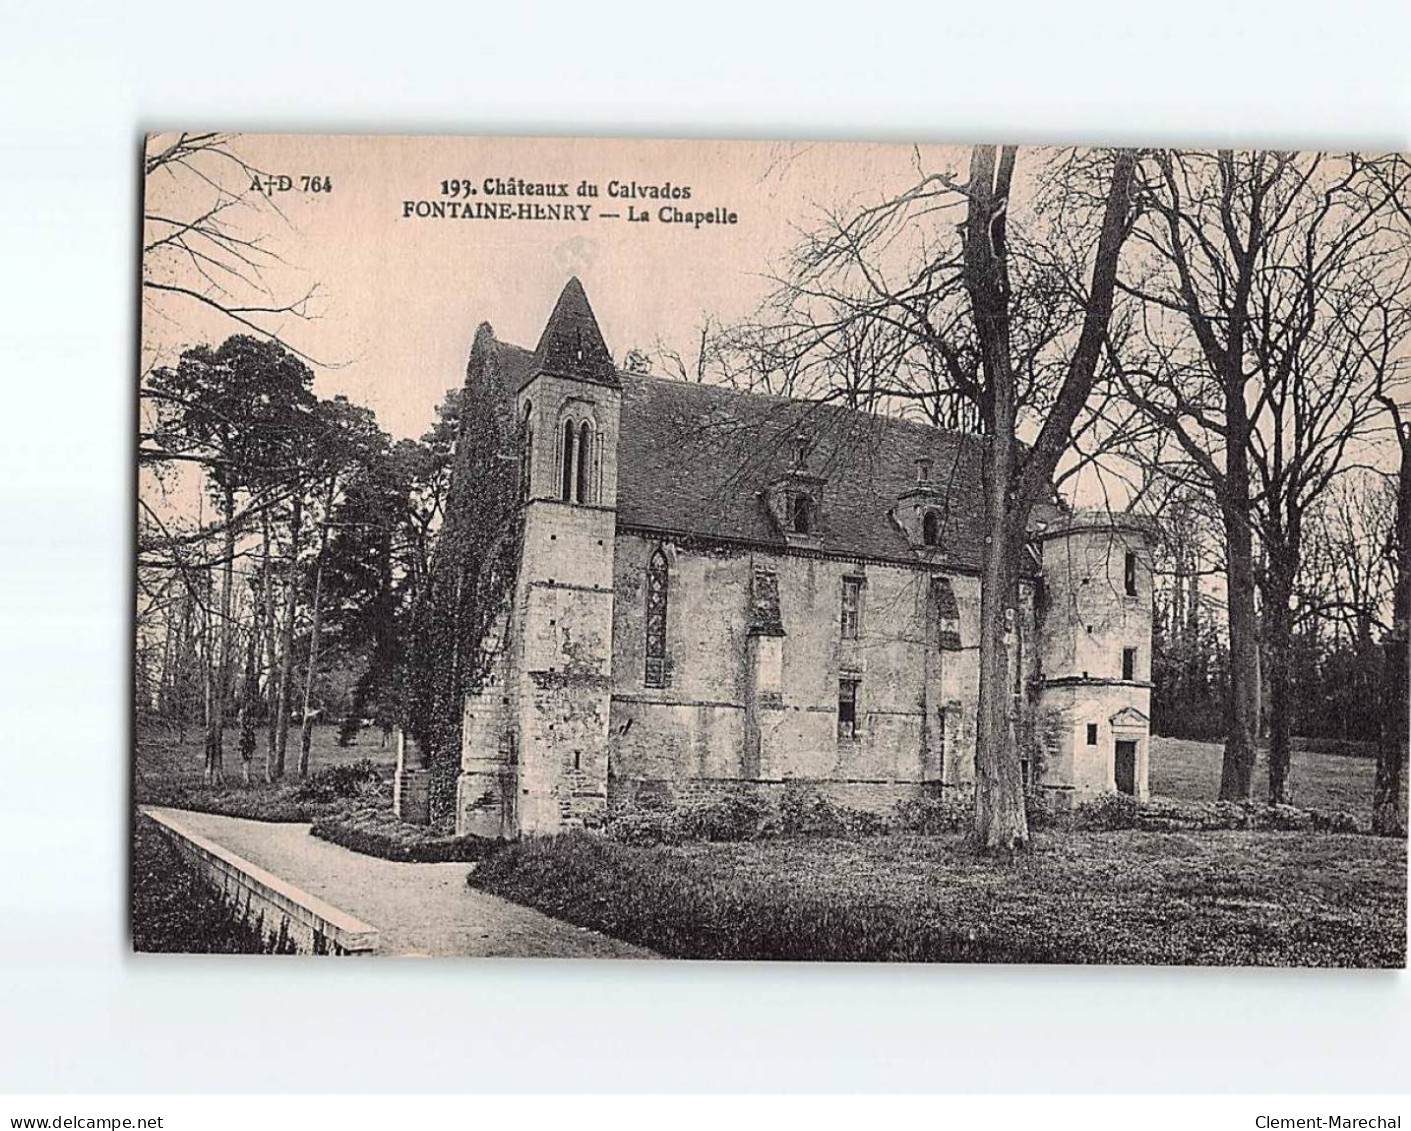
point(692, 617)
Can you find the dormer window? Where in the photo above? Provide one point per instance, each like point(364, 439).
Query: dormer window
point(931, 529)
point(800, 451)
point(802, 516)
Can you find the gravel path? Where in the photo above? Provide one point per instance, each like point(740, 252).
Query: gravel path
point(420, 909)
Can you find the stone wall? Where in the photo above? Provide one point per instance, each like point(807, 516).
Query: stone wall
point(715, 722)
point(314, 926)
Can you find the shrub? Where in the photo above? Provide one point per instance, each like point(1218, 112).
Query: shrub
point(1040, 811)
point(808, 813)
point(642, 827)
point(933, 816)
point(1107, 813)
point(377, 831)
point(355, 779)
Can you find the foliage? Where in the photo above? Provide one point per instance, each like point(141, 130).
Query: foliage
point(360, 779)
point(470, 577)
point(806, 812)
point(934, 816)
point(375, 830)
point(175, 911)
point(1122, 897)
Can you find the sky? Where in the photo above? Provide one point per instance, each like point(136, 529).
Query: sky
point(399, 297)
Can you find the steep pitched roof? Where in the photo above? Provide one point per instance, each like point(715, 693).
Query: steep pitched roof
point(699, 459)
point(571, 344)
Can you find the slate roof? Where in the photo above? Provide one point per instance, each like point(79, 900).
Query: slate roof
point(698, 460)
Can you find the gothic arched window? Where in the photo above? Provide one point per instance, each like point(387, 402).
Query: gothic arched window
point(931, 529)
point(584, 463)
point(566, 491)
point(658, 577)
point(802, 514)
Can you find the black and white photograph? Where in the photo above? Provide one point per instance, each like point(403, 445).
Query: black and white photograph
point(812, 551)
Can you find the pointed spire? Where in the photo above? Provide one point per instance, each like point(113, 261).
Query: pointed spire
point(572, 345)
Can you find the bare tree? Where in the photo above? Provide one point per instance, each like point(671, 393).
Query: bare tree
point(1259, 276)
point(930, 299)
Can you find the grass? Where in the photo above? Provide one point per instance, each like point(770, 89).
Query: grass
point(1214, 898)
point(174, 911)
point(1191, 771)
point(168, 770)
point(375, 830)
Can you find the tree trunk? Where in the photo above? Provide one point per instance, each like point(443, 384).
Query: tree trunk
point(286, 639)
point(1237, 770)
point(306, 725)
point(1279, 644)
point(1389, 796)
point(1001, 825)
point(215, 755)
point(271, 696)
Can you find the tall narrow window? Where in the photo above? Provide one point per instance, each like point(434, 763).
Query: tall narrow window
point(658, 575)
point(526, 452)
point(942, 725)
point(566, 494)
point(852, 608)
point(1129, 574)
point(847, 708)
point(803, 514)
point(585, 440)
point(1129, 663)
point(931, 529)
point(1092, 734)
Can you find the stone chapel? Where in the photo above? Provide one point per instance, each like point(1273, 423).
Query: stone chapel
point(721, 590)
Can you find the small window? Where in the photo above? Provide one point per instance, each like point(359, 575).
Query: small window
point(1129, 574)
point(852, 608)
point(931, 529)
point(942, 726)
point(802, 514)
point(1129, 663)
point(1092, 734)
point(847, 708)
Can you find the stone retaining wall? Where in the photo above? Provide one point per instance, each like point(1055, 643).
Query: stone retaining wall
point(314, 926)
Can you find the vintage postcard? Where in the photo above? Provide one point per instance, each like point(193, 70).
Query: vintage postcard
point(741, 550)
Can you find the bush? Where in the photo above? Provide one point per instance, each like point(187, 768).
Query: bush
point(356, 779)
point(1108, 813)
point(808, 813)
point(933, 816)
point(727, 817)
point(377, 831)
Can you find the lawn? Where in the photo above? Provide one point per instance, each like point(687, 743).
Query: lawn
point(1219, 898)
point(1191, 770)
point(168, 770)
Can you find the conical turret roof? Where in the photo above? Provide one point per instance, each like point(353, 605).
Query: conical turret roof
point(571, 344)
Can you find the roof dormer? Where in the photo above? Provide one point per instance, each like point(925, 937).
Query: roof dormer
point(922, 510)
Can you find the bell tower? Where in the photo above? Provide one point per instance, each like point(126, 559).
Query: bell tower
point(558, 667)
